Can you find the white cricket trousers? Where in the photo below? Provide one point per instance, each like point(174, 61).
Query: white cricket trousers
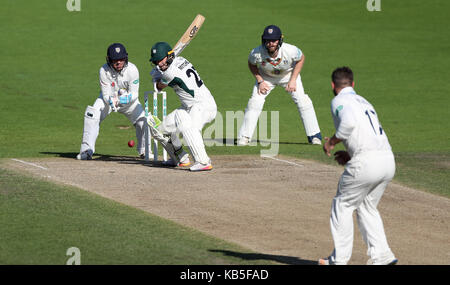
point(256, 103)
point(134, 112)
point(190, 122)
point(360, 188)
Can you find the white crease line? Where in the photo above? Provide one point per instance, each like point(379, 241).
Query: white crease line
point(29, 163)
point(282, 160)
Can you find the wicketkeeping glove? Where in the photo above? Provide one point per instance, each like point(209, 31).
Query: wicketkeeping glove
point(125, 99)
point(112, 103)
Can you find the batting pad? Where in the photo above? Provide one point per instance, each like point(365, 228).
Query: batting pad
point(157, 135)
point(140, 135)
point(194, 140)
point(91, 129)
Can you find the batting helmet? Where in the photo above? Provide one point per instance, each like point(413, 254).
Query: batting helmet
point(159, 51)
point(272, 33)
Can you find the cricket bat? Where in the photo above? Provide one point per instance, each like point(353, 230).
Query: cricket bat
point(190, 33)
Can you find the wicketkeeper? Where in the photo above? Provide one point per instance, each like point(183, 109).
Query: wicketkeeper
point(119, 92)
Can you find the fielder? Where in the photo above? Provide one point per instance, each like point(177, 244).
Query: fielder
point(369, 167)
point(119, 92)
point(198, 108)
point(276, 63)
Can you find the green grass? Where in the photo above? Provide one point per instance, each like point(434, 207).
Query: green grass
point(40, 221)
point(400, 57)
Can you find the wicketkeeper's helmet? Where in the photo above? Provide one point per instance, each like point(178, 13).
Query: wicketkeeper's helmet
point(116, 51)
point(159, 51)
point(272, 33)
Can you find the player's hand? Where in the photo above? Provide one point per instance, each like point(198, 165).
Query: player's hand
point(263, 87)
point(342, 157)
point(291, 86)
point(125, 99)
point(156, 74)
point(113, 102)
point(327, 146)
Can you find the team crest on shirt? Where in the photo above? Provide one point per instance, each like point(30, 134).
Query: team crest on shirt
point(339, 108)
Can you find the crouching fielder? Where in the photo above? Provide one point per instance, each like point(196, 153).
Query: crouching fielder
point(119, 84)
point(276, 63)
point(198, 108)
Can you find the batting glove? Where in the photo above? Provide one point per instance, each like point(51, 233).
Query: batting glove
point(156, 75)
point(153, 121)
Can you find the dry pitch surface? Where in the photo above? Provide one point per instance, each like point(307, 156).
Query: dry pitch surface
point(278, 207)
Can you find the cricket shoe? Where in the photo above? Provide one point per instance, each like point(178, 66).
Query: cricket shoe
point(142, 155)
point(316, 141)
point(198, 166)
point(324, 261)
point(183, 162)
point(85, 155)
point(392, 261)
point(242, 141)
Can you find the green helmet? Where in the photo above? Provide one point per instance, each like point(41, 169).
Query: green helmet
point(159, 51)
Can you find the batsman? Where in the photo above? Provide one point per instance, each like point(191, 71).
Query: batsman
point(198, 108)
point(119, 92)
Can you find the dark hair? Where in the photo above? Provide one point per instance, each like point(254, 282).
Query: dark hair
point(342, 76)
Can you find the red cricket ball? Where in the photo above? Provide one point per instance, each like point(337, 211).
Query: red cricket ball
point(131, 143)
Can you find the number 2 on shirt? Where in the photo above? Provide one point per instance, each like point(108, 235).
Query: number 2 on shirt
point(197, 77)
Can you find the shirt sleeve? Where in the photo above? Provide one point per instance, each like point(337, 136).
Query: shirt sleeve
point(254, 56)
point(134, 84)
point(105, 85)
point(166, 77)
point(344, 119)
point(296, 54)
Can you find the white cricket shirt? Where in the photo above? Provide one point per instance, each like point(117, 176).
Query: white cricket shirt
point(111, 81)
point(357, 123)
point(279, 67)
point(186, 82)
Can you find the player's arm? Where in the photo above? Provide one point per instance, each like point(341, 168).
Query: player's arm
point(254, 70)
point(344, 128)
point(132, 94)
point(157, 78)
point(292, 85)
point(160, 85)
point(262, 85)
point(329, 144)
point(341, 156)
point(108, 93)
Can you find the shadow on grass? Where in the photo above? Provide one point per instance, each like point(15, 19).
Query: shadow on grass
point(289, 260)
point(117, 158)
point(233, 141)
